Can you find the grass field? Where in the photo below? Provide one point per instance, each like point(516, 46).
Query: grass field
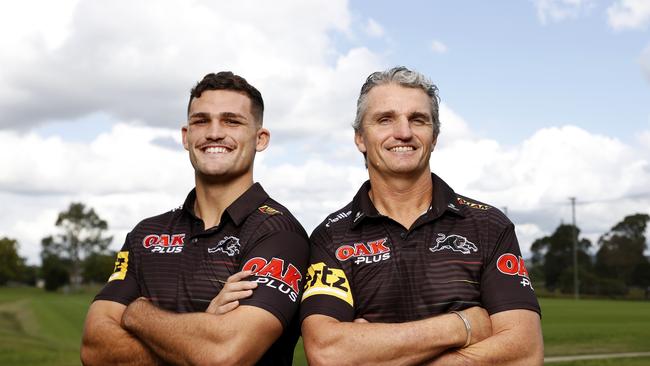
point(39, 328)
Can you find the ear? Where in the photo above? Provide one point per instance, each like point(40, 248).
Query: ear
point(263, 139)
point(184, 134)
point(358, 140)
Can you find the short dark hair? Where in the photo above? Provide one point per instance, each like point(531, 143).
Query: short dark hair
point(226, 80)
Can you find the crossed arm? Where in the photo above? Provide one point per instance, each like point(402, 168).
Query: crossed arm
point(328, 341)
point(506, 338)
point(142, 334)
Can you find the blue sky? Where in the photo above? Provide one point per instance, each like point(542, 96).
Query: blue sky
point(541, 100)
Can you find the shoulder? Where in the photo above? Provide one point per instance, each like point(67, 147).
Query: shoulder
point(338, 221)
point(272, 216)
point(160, 221)
point(477, 210)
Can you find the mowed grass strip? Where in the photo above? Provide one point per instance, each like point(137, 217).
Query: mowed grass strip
point(40, 328)
point(595, 326)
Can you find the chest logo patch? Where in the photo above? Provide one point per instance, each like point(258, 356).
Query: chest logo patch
point(164, 243)
point(228, 245)
point(276, 274)
point(370, 252)
point(455, 243)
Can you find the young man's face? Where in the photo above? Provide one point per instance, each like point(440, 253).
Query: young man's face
point(397, 131)
point(222, 135)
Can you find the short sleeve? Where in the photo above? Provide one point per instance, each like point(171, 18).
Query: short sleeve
point(278, 262)
point(505, 283)
point(327, 289)
point(122, 285)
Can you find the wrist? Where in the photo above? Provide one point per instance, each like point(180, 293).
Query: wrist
point(465, 329)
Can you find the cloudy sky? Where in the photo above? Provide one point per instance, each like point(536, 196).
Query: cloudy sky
point(541, 100)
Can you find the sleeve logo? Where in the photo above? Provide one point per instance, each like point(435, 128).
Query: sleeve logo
point(272, 274)
point(322, 280)
point(121, 265)
point(510, 264)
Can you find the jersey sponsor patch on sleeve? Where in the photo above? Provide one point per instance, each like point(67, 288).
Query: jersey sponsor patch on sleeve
point(269, 210)
point(121, 266)
point(323, 280)
point(272, 273)
point(512, 265)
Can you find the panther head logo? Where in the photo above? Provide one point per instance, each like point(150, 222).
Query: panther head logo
point(454, 242)
point(228, 245)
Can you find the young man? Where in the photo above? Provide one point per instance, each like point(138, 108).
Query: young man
point(178, 293)
point(410, 272)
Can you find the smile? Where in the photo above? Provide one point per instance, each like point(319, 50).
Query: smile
point(216, 150)
point(401, 148)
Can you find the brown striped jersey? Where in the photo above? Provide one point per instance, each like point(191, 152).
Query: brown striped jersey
point(458, 254)
point(173, 261)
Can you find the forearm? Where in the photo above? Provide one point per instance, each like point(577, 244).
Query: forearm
point(517, 343)
point(333, 342)
point(109, 344)
point(181, 339)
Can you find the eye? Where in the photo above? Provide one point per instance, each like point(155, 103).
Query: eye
point(199, 121)
point(384, 121)
point(232, 122)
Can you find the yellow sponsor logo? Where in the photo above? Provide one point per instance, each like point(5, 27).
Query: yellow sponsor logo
point(323, 280)
point(121, 265)
point(269, 210)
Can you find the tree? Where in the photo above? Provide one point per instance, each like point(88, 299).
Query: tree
point(82, 234)
point(98, 267)
point(620, 256)
point(554, 254)
point(11, 264)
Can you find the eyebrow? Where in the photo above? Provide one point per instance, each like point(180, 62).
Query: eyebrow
point(419, 115)
point(221, 115)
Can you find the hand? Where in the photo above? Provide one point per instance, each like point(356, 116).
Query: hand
point(480, 321)
point(233, 290)
point(360, 320)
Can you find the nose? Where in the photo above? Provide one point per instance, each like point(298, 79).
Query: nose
point(402, 129)
point(215, 130)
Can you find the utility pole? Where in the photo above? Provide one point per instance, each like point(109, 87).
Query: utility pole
point(576, 291)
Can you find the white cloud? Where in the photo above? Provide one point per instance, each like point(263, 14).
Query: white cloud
point(373, 29)
point(629, 14)
point(146, 77)
point(558, 10)
point(438, 47)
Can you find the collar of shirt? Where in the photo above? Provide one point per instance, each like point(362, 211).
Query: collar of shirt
point(444, 199)
point(239, 210)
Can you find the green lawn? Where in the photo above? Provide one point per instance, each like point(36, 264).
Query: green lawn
point(39, 328)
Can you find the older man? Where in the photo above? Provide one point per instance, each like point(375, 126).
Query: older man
point(411, 272)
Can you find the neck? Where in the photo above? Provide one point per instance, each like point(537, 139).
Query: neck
point(213, 197)
point(403, 199)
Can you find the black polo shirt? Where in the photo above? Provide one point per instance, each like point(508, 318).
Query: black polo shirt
point(173, 261)
point(458, 254)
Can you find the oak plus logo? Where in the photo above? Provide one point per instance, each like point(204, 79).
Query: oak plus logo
point(371, 252)
point(512, 265)
point(276, 274)
point(164, 243)
point(455, 243)
point(229, 245)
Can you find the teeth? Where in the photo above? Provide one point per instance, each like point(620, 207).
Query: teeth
point(216, 150)
point(401, 148)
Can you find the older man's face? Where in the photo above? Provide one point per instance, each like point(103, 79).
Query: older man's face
point(397, 131)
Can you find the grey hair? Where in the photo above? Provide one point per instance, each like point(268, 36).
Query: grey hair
point(399, 75)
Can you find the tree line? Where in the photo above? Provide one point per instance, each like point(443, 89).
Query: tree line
point(618, 265)
point(79, 254)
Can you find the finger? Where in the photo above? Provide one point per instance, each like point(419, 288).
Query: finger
point(239, 276)
point(360, 320)
point(232, 296)
point(239, 286)
point(228, 307)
